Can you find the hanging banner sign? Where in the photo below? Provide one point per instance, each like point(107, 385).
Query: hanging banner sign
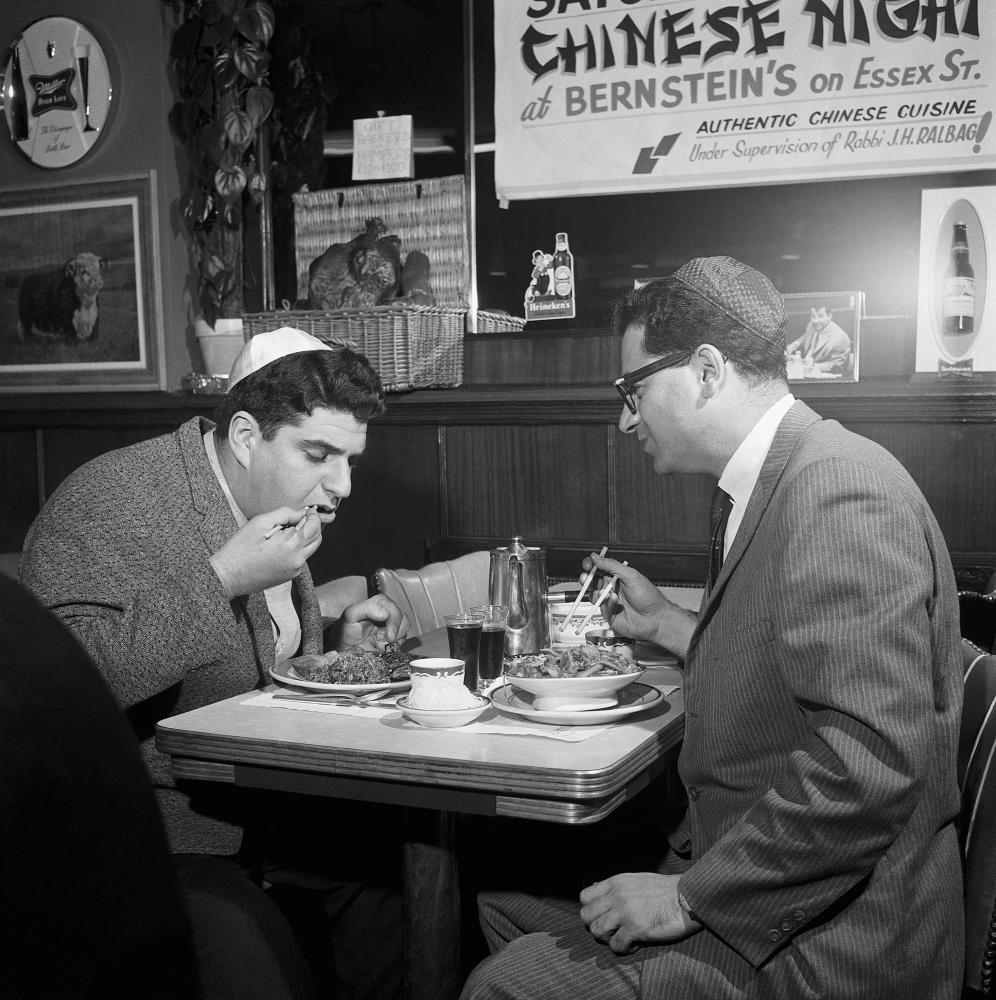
point(612, 96)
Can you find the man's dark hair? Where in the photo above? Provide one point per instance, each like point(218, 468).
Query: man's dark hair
point(676, 318)
point(286, 391)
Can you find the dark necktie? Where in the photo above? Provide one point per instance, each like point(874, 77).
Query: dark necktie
point(719, 514)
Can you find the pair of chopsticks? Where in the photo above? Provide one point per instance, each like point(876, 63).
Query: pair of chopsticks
point(598, 601)
point(294, 526)
point(297, 524)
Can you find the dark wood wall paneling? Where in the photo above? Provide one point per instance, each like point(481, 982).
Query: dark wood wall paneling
point(529, 446)
point(19, 485)
point(394, 505)
point(67, 448)
point(546, 481)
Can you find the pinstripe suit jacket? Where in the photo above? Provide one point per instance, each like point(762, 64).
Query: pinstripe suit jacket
point(120, 553)
point(823, 695)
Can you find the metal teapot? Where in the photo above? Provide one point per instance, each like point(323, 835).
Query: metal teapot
point(518, 580)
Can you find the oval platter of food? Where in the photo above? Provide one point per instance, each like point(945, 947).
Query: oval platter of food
point(632, 699)
point(355, 671)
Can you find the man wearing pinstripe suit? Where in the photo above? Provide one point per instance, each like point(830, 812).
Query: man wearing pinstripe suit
point(822, 686)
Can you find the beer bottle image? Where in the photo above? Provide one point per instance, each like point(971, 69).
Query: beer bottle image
point(17, 102)
point(958, 308)
point(563, 268)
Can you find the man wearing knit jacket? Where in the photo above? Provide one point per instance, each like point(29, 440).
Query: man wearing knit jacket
point(180, 564)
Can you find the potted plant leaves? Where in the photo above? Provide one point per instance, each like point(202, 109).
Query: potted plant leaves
point(220, 63)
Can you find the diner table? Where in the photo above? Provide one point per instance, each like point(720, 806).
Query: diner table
point(569, 775)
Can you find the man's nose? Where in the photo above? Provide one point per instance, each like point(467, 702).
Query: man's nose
point(628, 420)
point(339, 481)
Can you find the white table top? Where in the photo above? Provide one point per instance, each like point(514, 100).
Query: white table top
point(379, 757)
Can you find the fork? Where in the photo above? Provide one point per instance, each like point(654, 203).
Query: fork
point(333, 697)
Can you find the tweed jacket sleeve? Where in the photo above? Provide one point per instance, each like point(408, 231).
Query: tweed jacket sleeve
point(121, 554)
point(821, 704)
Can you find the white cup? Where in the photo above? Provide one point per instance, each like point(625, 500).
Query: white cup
point(436, 666)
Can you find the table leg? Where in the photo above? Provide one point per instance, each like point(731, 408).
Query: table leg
point(431, 907)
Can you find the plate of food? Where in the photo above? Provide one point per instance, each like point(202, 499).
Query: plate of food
point(354, 671)
point(632, 699)
point(573, 672)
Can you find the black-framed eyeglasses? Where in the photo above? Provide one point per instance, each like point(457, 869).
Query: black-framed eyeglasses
point(625, 384)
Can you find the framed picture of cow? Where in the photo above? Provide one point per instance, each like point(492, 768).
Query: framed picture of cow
point(80, 301)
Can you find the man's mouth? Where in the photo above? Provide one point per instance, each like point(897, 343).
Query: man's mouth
point(326, 511)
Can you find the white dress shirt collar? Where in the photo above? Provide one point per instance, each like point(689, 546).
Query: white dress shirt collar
point(742, 470)
point(279, 599)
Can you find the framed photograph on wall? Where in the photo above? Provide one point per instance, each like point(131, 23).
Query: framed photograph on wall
point(955, 321)
point(80, 299)
point(822, 339)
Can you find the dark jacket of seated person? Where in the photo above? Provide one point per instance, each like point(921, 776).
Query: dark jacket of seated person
point(91, 901)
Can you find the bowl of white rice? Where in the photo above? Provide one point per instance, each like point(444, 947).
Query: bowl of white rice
point(441, 702)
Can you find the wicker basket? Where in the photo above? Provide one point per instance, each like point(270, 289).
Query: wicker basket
point(499, 322)
point(428, 215)
point(411, 347)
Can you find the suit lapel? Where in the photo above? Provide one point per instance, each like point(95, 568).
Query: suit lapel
point(206, 494)
point(790, 430)
point(217, 526)
point(312, 623)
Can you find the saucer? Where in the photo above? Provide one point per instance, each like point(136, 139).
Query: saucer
point(636, 697)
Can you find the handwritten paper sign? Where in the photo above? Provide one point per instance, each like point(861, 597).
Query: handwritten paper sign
point(613, 96)
point(382, 148)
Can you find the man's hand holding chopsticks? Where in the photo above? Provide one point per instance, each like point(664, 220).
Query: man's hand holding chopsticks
point(268, 549)
point(642, 611)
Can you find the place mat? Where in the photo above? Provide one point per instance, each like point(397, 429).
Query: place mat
point(492, 722)
point(648, 654)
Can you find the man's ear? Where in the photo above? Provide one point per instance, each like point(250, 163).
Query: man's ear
point(712, 367)
point(243, 435)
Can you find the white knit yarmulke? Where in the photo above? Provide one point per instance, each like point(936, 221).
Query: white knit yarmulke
point(260, 350)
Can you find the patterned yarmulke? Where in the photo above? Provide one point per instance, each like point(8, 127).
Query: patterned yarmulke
point(740, 292)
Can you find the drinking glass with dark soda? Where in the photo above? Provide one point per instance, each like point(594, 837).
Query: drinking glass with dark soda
point(464, 633)
point(491, 658)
